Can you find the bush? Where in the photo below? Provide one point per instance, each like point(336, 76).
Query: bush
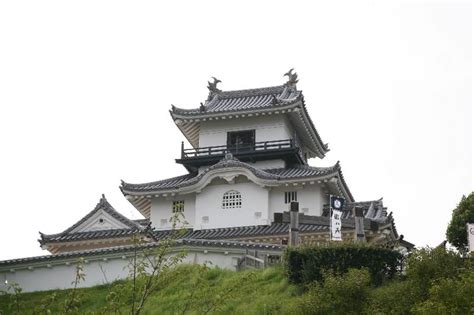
point(450, 296)
point(345, 294)
point(426, 266)
point(306, 264)
point(430, 274)
point(395, 297)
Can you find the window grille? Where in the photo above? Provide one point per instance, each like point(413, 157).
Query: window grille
point(291, 196)
point(178, 206)
point(231, 199)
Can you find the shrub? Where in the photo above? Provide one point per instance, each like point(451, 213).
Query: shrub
point(394, 297)
point(432, 285)
point(306, 264)
point(344, 294)
point(450, 296)
point(425, 266)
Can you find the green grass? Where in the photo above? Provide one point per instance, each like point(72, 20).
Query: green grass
point(226, 292)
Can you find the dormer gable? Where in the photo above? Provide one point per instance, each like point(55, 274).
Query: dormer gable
point(102, 217)
point(102, 223)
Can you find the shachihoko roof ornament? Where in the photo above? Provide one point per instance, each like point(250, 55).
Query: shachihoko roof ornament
point(213, 87)
point(292, 77)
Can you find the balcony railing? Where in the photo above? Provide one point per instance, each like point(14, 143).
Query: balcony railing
point(246, 148)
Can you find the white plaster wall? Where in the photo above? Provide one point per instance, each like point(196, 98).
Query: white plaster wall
point(209, 204)
point(309, 196)
point(161, 209)
point(60, 276)
point(98, 271)
point(267, 128)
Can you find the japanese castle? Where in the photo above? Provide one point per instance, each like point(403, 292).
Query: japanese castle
point(246, 162)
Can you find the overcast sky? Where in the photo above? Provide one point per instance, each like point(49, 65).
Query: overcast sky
point(85, 89)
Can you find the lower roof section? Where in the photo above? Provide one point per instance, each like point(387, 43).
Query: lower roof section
point(131, 248)
point(140, 195)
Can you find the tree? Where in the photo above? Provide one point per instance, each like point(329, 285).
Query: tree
point(463, 214)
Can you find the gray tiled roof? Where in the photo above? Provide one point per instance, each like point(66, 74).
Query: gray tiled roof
point(142, 222)
point(104, 205)
point(130, 248)
point(275, 174)
point(91, 235)
point(243, 231)
point(372, 209)
point(302, 171)
point(219, 233)
point(228, 101)
point(164, 184)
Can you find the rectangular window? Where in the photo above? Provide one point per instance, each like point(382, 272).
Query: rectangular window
point(241, 141)
point(178, 206)
point(291, 196)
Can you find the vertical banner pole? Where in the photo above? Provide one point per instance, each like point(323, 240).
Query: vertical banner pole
point(330, 217)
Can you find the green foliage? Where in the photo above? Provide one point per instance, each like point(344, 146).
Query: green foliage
point(149, 269)
point(426, 266)
point(463, 214)
point(394, 297)
point(344, 294)
point(13, 298)
point(71, 303)
point(450, 296)
point(428, 272)
point(306, 264)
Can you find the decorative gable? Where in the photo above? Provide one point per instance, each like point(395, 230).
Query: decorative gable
point(100, 220)
point(103, 217)
point(103, 222)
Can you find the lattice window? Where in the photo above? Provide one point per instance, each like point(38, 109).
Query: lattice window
point(291, 196)
point(178, 206)
point(232, 199)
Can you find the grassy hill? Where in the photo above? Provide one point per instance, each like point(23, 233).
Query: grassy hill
point(223, 292)
point(434, 281)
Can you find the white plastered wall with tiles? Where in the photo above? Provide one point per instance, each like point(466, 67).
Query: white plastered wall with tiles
point(103, 269)
point(267, 128)
point(253, 210)
point(162, 211)
point(311, 198)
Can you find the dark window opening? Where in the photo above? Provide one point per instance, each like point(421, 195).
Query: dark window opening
point(241, 141)
point(291, 196)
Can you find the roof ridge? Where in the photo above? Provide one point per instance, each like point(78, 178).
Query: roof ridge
point(125, 184)
point(252, 92)
point(80, 233)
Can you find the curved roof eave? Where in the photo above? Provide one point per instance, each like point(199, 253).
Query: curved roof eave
point(185, 123)
point(258, 176)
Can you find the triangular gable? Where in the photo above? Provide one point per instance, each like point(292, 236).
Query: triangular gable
point(103, 217)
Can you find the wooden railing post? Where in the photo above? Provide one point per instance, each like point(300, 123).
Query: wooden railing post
point(182, 149)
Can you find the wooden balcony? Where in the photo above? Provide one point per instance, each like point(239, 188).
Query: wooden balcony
point(264, 150)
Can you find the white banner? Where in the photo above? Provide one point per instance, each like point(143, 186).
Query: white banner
point(470, 236)
point(335, 205)
point(336, 234)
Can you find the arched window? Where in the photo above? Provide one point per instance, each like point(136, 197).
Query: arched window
point(231, 199)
